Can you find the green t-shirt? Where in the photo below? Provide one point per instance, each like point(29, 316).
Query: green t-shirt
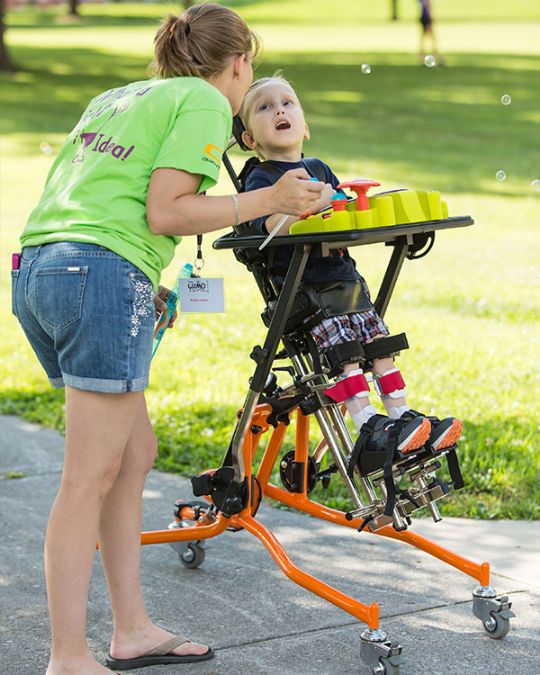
point(96, 189)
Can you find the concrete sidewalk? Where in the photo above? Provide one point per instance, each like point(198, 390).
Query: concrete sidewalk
point(258, 621)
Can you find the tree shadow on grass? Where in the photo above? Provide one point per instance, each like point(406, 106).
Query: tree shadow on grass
point(447, 127)
point(500, 458)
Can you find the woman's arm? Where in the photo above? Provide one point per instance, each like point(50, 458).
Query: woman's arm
point(174, 208)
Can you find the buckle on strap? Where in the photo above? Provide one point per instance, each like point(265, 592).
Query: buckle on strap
point(348, 387)
point(389, 382)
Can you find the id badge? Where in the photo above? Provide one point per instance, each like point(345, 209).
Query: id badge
point(201, 295)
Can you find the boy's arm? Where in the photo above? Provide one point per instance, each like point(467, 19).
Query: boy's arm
point(265, 225)
point(322, 203)
point(273, 220)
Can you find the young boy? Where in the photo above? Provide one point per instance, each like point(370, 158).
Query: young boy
point(275, 129)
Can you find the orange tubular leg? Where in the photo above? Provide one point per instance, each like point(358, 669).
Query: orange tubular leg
point(367, 613)
point(474, 570)
point(270, 454)
point(477, 571)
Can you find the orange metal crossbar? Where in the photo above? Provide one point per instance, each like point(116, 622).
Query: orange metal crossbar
point(186, 533)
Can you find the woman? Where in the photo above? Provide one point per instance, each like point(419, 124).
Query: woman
point(127, 183)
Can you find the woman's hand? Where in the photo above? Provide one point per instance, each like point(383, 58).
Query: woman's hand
point(160, 303)
point(294, 193)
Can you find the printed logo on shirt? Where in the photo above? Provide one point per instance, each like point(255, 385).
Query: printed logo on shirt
point(212, 154)
point(117, 150)
point(121, 100)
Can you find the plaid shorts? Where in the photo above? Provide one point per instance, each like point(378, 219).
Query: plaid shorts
point(363, 326)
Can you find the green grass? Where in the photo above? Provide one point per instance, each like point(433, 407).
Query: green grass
point(470, 308)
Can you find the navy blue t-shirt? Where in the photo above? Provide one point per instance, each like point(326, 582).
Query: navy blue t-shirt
point(338, 266)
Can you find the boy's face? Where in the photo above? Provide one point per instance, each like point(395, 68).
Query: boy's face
point(275, 122)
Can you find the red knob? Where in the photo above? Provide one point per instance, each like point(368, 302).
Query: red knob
point(338, 202)
point(360, 186)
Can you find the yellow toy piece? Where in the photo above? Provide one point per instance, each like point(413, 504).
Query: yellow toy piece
point(385, 210)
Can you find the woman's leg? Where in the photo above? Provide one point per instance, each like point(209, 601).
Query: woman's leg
point(98, 427)
point(119, 538)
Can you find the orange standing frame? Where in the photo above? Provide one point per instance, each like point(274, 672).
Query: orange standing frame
point(234, 491)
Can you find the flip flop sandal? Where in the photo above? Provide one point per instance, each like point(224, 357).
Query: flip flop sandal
point(161, 655)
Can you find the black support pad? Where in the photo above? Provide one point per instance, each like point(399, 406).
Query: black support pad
point(382, 348)
point(346, 352)
point(363, 353)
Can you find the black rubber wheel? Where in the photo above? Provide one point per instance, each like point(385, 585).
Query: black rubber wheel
point(497, 626)
point(193, 557)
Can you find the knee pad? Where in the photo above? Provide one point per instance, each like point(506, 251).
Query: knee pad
point(353, 384)
point(390, 383)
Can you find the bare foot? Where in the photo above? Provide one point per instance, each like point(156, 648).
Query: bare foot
point(82, 666)
point(137, 644)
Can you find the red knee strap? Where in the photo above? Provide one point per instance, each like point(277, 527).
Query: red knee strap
point(347, 387)
point(389, 382)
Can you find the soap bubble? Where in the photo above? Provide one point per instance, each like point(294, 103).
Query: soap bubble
point(500, 175)
point(366, 68)
point(536, 185)
point(506, 99)
point(430, 61)
point(45, 148)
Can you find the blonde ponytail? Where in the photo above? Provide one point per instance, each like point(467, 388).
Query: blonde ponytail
point(200, 41)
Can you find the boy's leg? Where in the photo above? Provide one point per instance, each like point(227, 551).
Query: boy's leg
point(359, 406)
point(119, 538)
point(444, 433)
point(97, 429)
point(395, 404)
point(338, 330)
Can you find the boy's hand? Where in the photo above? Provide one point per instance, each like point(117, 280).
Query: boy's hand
point(161, 305)
point(324, 201)
point(294, 193)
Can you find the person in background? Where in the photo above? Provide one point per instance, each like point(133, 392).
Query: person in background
point(427, 32)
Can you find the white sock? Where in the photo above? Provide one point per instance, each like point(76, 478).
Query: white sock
point(396, 413)
point(362, 415)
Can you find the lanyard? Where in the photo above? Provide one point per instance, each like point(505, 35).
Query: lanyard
point(199, 261)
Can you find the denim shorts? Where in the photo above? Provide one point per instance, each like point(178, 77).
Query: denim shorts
point(88, 314)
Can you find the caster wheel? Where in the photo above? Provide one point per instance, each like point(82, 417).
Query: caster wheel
point(192, 556)
point(386, 668)
point(378, 653)
point(494, 612)
point(496, 626)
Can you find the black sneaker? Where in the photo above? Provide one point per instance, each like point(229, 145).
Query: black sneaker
point(381, 436)
point(412, 432)
point(444, 433)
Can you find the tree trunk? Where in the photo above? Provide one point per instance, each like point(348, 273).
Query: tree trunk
point(74, 7)
point(394, 10)
point(6, 65)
